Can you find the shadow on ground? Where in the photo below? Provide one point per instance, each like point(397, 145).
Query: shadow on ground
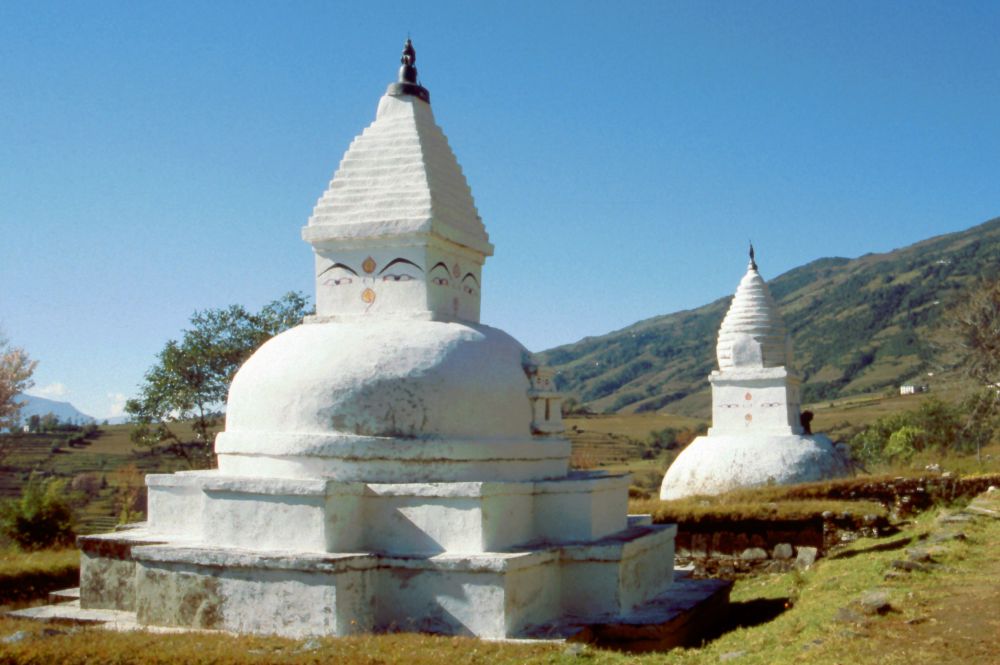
point(897, 544)
point(737, 615)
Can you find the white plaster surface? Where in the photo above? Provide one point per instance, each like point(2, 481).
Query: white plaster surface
point(716, 464)
point(755, 400)
point(317, 515)
point(338, 399)
point(752, 333)
point(399, 176)
point(397, 232)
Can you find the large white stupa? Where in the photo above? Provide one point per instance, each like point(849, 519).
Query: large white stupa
point(756, 436)
point(391, 463)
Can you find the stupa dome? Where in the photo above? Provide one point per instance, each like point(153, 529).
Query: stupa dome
point(419, 401)
point(752, 333)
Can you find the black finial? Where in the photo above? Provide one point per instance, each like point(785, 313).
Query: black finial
point(753, 264)
point(408, 73)
point(407, 83)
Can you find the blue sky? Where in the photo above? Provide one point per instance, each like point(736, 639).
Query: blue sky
point(160, 158)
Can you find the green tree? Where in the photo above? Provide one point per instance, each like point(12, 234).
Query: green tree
point(191, 377)
point(935, 426)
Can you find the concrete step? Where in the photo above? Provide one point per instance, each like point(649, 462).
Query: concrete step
point(71, 613)
point(64, 595)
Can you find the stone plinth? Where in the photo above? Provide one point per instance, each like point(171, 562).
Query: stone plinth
point(502, 570)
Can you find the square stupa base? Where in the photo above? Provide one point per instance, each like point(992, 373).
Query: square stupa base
point(493, 595)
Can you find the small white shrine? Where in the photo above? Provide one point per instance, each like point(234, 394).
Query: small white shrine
point(756, 436)
point(391, 463)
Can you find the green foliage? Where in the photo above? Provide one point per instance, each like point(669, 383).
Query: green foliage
point(934, 426)
point(41, 517)
point(904, 443)
point(191, 377)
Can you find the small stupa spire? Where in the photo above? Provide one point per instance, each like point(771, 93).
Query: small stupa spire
point(408, 83)
point(753, 263)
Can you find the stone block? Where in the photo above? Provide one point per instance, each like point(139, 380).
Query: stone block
point(805, 557)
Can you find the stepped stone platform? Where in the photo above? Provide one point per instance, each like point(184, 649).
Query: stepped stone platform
point(683, 615)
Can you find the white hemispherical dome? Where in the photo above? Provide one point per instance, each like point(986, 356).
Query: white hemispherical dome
point(384, 401)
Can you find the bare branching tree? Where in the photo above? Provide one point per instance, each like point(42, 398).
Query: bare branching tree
point(16, 369)
point(977, 323)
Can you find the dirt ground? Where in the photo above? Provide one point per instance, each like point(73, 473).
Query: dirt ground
point(955, 619)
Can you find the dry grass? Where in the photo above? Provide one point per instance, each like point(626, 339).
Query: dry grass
point(15, 562)
point(692, 511)
point(31, 575)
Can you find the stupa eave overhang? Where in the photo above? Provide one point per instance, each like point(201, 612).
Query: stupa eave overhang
point(400, 231)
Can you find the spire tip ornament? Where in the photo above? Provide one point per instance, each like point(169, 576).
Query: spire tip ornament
point(753, 263)
point(408, 83)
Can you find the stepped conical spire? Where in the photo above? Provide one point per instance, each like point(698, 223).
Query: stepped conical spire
point(397, 232)
point(408, 84)
point(752, 333)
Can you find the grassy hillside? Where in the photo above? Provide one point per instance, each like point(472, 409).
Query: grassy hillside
point(857, 325)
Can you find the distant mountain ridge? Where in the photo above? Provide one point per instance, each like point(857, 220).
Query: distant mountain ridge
point(857, 325)
point(40, 406)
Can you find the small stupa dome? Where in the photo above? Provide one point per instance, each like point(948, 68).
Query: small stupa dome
point(752, 333)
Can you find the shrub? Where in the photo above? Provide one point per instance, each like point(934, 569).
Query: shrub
point(936, 426)
point(41, 518)
point(904, 442)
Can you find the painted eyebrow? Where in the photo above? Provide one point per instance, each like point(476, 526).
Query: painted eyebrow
point(339, 265)
point(468, 275)
point(439, 264)
point(395, 261)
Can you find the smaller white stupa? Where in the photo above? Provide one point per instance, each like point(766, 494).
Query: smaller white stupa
point(756, 436)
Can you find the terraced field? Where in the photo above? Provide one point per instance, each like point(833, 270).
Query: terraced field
point(103, 474)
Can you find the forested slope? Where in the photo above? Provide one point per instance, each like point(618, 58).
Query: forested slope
point(857, 325)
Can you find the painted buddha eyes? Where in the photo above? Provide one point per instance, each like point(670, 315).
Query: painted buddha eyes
point(338, 282)
point(470, 284)
point(405, 271)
